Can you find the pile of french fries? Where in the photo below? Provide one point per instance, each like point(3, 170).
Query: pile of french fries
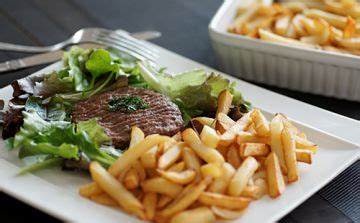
point(332, 25)
point(200, 177)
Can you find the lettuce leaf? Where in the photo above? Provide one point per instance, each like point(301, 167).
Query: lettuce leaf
point(195, 92)
point(61, 139)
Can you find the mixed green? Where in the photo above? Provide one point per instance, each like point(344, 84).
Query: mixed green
point(38, 122)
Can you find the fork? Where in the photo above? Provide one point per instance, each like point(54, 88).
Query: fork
point(119, 40)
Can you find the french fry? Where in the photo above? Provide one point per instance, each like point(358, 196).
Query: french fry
point(272, 37)
point(275, 180)
point(312, 26)
point(184, 200)
point(177, 167)
point(289, 148)
point(242, 176)
point(302, 143)
point(350, 29)
point(131, 180)
point(211, 170)
point(130, 155)
point(335, 20)
point(259, 175)
point(104, 199)
point(230, 135)
point(256, 191)
point(247, 137)
point(298, 26)
point(205, 121)
point(209, 136)
point(149, 159)
point(220, 200)
point(254, 149)
point(227, 214)
point(261, 125)
point(338, 8)
point(276, 127)
point(177, 137)
point(149, 203)
point(161, 186)
point(192, 162)
point(163, 201)
point(304, 156)
point(219, 185)
point(206, 153)
point(90, 189)
point(183, 177)
point(116, 190)
point(295, 7)
point(170, 156)
point(243, 18)
point(282, 25)
point(351, 43)
point(139, 169)
point(224, 102)
point(223, 123)
point(136, 136)
point(233, 157)
point(197, 215)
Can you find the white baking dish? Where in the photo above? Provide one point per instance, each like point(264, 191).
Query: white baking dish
point(307, 70)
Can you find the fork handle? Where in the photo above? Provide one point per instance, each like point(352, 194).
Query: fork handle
point(23, 48)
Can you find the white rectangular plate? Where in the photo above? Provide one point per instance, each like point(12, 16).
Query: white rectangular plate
point(56, 192)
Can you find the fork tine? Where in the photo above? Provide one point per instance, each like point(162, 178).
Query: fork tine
point(127, 38)
point(127, 49)
point(130, 52)
point(129, 44)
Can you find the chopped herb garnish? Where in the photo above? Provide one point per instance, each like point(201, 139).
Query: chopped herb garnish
point(127, 104)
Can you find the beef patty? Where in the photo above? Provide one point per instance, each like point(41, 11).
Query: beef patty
point(161, 117)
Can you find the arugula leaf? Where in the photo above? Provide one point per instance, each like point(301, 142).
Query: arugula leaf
point(94, 131)
point(100, 63)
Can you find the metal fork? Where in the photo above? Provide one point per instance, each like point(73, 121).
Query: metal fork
point(119, 40)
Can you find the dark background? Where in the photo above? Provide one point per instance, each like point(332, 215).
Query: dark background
point(183, 24)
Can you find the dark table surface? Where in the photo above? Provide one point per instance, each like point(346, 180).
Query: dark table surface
point(184, 27)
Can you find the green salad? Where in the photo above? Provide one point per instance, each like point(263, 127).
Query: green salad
point(38, 121)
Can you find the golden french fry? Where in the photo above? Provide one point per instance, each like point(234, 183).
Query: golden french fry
point(350, 29)
point(272, 37)
point(351, 43)
point(183, 177)
point(184, 200)
point(205, 121)
point(259, 175)
point(233, 157)
point(219, 185)
point(298, 26)
point(302, 143)
point(282, 25)
point(230, 135)
point(177, 167)
point(247, 137)
point(116, 190)
point(104, 199)
point(170, 156)
point(276, 127)
point(208, 154)
point(243, 18)
point(304, 156)
point(275, 180)
point(149, 158)
point(338, 8)
point(161, 186)
point(333, 19)
point(223, 123)
point(348, 3)
point(177, 137)
point(254, 149)
point(288, 142)
point(211, 170)
point(209, 136)
point(224, 102)
point(242, 176)
point(261, 125)
point(256, 191)
point(220, 200)
point(136, 136)
point(139, 169)
point(227, 214)
point(90, 189)
point(163, 201)
point(130, 155)
point(197, 215)
point(294, 7)
point(191, 160)
point(149, 203)
point(131, 180)
point(312, 26)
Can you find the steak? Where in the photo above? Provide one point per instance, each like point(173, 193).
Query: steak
point(161, 117)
